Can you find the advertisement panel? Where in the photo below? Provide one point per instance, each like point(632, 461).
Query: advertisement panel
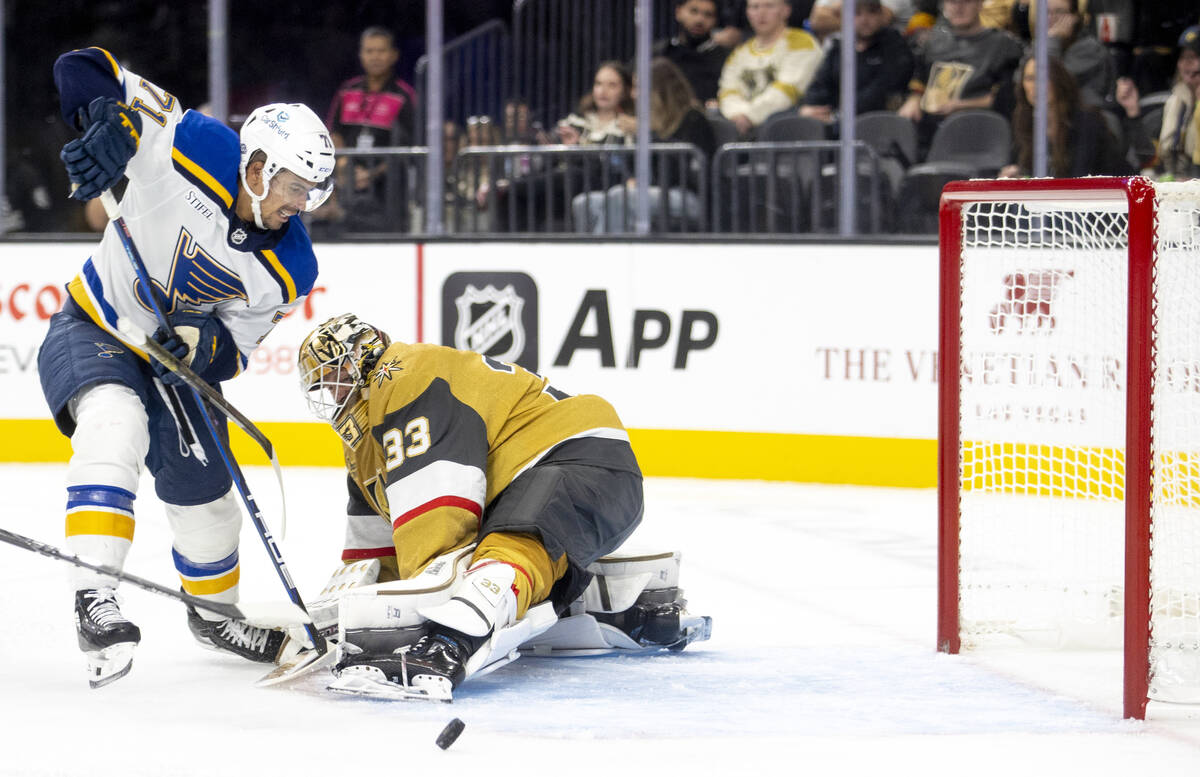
point(821, 340)
point(801, 362)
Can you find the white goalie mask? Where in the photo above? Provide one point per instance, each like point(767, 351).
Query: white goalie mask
point(335, 362)
point(292, 138)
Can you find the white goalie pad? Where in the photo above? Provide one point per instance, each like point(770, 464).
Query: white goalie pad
point(620, 579)
point(394, 605)
point(637, 591)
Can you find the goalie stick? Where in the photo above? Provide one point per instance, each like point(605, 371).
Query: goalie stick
point(266, 615)
point(195, 382)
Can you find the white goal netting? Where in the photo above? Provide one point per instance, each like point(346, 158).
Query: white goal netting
point(1042, 428)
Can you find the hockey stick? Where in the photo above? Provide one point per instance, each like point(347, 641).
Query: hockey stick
point(266, 614)
point(194, 381)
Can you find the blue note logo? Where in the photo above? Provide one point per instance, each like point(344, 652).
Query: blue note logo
point(107, 350)
point(196, 279)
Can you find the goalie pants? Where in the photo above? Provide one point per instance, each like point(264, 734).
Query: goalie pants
point(124, 423)
point(583, 499)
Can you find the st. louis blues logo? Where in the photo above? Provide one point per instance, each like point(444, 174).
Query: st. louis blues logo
point(107, 350)
point(489, 322)
point(196, 279)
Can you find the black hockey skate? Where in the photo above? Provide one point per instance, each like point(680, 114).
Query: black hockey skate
point(659, 619)
point(430, 669)
point(238, 637)
point(106, 637)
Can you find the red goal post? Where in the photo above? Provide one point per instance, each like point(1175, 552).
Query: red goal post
point(1069, 422)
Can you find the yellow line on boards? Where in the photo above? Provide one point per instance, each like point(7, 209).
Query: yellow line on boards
point(870, 461)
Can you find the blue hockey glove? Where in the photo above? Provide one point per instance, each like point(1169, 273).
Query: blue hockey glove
point(96, 161)
point(202, 343)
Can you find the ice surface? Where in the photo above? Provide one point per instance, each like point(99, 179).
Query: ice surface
point(821, 662)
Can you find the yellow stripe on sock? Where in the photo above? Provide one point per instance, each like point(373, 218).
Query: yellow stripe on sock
point(216, 585)
point(101, 523)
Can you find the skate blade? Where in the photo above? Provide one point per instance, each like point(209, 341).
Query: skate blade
point(110, 664)
point(303, 663)
point(371, 683)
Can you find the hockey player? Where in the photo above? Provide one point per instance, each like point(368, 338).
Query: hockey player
point(450, 450)
point(218, 230)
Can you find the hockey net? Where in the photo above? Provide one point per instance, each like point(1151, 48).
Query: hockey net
point(1069, 423)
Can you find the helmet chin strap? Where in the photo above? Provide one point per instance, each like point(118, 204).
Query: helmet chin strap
point(256, 199)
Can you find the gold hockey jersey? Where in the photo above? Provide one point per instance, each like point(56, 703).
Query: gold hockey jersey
point(441, 433)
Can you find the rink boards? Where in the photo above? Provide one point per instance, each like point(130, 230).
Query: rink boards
point(801, 362)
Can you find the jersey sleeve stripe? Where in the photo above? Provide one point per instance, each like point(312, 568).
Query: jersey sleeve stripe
point(112, 63)
point(357, 554)
point(469, 505)
point(436, 480)
point(270, 260)
point(201, 177)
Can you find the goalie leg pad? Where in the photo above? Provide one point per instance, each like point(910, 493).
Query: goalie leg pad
point(632, 604)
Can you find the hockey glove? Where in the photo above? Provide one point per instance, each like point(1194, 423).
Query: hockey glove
point(96, 161)
point(202, 343)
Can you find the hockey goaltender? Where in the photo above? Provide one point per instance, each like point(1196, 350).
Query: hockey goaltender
point(482, 504)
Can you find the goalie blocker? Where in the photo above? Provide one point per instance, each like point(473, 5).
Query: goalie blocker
point(633, 604)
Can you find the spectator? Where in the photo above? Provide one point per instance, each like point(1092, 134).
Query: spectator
point(825, 19)
point(694, 50)
point(1078, 140)
point(26, 204)
point(770, 72)
point(674, 118)
point(884, 64)
point(517, 128)
point(996, 14)
point(605, 114)
point(1084, 56)
point(735, 28)
point(1179, 140)
point(370, 110)
point(962, 65)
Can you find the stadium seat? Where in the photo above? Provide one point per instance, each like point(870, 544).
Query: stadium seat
point(981, 139)
point(790, 127)
point(724, 129)
point(921, 193)
point(893, 138)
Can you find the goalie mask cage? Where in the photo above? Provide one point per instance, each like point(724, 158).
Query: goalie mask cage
point(1069, 423)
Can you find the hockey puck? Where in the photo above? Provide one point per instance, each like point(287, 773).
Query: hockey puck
point(450, 733)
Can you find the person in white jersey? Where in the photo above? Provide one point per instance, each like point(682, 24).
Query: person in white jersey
point(217, 225)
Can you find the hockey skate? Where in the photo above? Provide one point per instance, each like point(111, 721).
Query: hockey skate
point(106, 637)
point(632, 605)
point(471, 634)
point(428, 669)
point(237, 637)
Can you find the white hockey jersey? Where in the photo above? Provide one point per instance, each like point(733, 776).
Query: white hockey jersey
point(179, 207)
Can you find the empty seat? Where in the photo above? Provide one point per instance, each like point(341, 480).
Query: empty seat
point(921, 194)
point(791, 127)
point(724, 129)
point(981, 139)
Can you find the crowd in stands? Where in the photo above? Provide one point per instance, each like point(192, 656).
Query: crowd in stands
point(1124, 79)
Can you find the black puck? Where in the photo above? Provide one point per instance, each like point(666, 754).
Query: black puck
point(450, 733)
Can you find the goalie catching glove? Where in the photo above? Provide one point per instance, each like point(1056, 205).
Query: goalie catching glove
point(96, 161)
point(201, 342)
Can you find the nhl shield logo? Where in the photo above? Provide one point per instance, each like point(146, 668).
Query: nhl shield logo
point(489, 322)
